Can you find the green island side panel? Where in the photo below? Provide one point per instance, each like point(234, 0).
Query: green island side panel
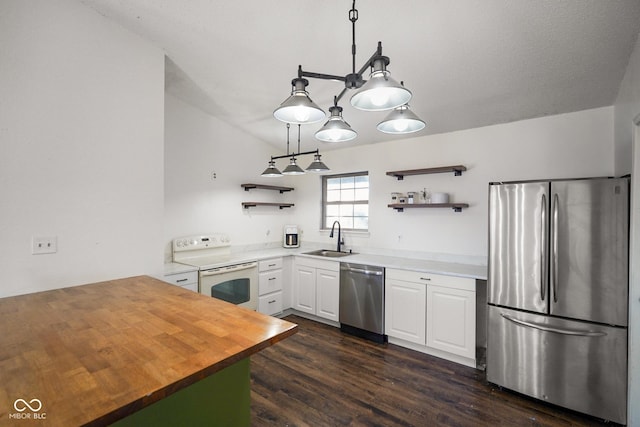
point(223, 399)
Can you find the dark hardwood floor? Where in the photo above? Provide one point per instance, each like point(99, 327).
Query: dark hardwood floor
point(323, 377)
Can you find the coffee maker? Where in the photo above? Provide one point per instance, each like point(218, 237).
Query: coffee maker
point(291, 237)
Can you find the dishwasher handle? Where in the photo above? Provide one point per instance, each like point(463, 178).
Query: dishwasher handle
point(364, 271)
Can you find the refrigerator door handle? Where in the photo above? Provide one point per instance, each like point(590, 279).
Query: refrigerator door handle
point(543, 245)
point(554, 252)
point(546, 328)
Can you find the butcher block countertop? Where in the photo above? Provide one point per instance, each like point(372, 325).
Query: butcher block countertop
point(93, 354)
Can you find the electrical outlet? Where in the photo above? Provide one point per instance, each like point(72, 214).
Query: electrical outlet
point(44, 245)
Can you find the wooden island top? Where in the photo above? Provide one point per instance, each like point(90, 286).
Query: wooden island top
point(96, 353)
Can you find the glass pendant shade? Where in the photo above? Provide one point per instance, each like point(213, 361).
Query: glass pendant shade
point(271, 171)
point(380, 92)
point(293, 168)
point(336, 129)
point(317, 165)
point(401, 120)
point(299, 108)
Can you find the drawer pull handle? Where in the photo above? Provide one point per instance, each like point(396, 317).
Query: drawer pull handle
point(272, 278)
point(272, 301)
point(272, 265)
point(181, 280)
point(425, 278)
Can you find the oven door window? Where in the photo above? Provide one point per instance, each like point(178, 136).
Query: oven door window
point(236, 291)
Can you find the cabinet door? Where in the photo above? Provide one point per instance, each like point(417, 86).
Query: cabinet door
point(405, 305)
point(304, 289)
point(451, 320)
point(328, 294)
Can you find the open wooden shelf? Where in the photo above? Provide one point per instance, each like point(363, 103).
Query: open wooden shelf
point(400, 207)
point(247, 205)
point(457, 171)
point(248, 187)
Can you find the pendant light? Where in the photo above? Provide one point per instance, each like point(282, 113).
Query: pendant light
point(299, 108)
point(336, 129)
point(317, 165)
point(271, 171)
point(400, 121)
point(293, 168)
point(380, 92)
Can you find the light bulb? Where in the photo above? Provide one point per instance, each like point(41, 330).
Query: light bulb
point(380, 97)
point(334, 135)
point(301, 114)
point(401, 125)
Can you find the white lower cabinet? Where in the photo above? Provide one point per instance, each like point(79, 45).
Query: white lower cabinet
point(405, 308)
point(451, 320)
point(187, 280)
point(316, 287)
point(270, 285)
point(432, 313)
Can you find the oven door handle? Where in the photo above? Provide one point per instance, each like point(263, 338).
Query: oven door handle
point(229, 269)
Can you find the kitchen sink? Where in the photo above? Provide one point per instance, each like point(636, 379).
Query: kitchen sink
point(329, 253)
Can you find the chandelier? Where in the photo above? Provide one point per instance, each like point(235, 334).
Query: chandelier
point(293, 168)
point(379, 93)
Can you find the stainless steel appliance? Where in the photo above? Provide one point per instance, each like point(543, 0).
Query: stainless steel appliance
point(291, 239)
point(558, 290)
point(362, 301)
point(219, 277)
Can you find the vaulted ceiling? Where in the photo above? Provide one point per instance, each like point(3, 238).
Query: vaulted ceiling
point(469, 63)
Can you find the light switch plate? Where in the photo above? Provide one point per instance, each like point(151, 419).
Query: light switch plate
point(44, 245)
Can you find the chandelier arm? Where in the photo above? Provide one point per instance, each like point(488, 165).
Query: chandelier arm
point(340, 95)
point(304, 153)
point(320, 75)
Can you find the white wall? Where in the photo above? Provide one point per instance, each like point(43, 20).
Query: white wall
point(81, 134)
point(627, 140)
point(197, 145)
point(626, 107)
point(563, 146)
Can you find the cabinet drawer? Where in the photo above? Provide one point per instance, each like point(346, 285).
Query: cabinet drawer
point(318, 263)
point(454, 282)
point(182, 279)
point(270, 264)
point(270, 281)
point(270, 304)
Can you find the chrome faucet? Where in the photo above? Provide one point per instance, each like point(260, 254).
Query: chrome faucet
point(331, 234)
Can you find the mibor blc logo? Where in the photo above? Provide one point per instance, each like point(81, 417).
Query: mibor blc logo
point(28, 410)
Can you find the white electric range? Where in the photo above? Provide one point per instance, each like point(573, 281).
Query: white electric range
point(218, 277)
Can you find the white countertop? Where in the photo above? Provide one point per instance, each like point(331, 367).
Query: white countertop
point(414, 264)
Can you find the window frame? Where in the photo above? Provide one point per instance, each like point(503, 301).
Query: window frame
point(324, 203)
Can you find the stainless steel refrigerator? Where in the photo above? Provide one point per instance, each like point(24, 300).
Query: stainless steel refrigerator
point(558, 291)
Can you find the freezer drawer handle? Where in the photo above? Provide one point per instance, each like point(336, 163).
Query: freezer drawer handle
point(363, 271)
point(554, 253)
point(543, 225)
point(552, 329)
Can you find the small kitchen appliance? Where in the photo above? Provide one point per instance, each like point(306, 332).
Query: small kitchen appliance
point(291, 238)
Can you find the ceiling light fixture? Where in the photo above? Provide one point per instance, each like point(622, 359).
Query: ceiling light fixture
point(293, 169)
point(336, 129)
point(401, 120)
point(379, 93)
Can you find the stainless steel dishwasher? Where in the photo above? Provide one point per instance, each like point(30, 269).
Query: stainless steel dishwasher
point(362, 301)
